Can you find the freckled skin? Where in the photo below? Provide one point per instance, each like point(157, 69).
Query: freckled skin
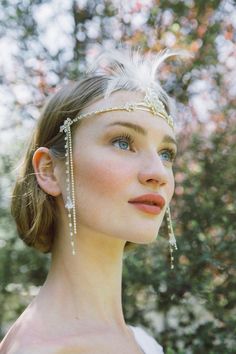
point(106, 177)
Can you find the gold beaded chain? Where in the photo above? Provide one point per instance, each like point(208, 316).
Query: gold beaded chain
point(151, 103)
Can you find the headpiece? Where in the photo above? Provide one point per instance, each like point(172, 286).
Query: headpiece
point(130, 72)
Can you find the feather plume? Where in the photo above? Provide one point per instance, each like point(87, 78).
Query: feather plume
point(132, 71)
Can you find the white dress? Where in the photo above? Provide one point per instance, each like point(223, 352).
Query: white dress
point(146, 342)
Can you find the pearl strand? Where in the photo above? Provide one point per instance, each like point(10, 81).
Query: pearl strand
point(73, 224)
point(70, 201)
point(172, 240)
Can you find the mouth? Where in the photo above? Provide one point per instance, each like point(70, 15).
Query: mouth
point(148, 208)
point(149, 203)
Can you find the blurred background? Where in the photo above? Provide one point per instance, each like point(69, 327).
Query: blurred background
point(46, 43)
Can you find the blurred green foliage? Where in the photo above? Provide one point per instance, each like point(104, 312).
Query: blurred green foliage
point(198, 298)
point(191, 309)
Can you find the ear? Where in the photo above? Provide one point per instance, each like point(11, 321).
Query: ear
point(45, 172)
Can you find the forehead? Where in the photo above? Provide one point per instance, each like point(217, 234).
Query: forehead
point(145, 119)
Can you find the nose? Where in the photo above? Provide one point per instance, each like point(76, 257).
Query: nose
point(153, 172)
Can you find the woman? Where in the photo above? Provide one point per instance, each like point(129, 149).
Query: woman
point(97, 176)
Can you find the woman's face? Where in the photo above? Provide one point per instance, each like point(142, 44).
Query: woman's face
point(120, 156)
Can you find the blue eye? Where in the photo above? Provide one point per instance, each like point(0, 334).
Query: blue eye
point(168, 155)
point(123, 142)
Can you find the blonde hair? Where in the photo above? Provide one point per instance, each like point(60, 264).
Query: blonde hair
point(34, 211)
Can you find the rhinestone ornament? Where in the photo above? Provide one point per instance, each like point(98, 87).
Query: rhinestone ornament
point(172, 240)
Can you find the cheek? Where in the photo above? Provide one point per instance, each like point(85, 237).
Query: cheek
point(102, 176)
point(102, 187)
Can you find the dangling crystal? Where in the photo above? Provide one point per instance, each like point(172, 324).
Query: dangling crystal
point(69, 204)
point(172, 241)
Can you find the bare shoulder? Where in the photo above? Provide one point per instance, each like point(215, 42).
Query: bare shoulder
point(17, 341)
point(13, 342)
point(22, 339)
point(26, 338)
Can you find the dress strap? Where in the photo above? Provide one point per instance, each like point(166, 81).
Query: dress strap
point(147, 344)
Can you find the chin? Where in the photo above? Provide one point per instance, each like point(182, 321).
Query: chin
point(145, 236)
point(144, 239)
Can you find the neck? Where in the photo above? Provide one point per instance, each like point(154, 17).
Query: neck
point(86, 288)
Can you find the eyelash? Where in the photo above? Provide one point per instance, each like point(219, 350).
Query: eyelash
point(128, 138)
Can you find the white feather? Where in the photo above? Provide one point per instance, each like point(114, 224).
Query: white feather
point(132, 71)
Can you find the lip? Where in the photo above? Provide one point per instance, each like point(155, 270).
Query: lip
point(149, 203)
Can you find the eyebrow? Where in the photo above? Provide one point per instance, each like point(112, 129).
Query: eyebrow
point(140, 130)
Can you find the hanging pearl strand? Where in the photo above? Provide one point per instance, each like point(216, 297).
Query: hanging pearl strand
point(172, 240)
point(70, 186)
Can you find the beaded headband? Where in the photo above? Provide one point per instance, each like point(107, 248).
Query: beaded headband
point(129, 71)
point(152, 104)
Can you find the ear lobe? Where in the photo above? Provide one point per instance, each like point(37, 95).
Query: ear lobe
point(45, 172)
